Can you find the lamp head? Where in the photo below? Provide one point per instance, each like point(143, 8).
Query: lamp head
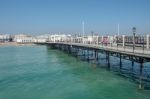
point(134, 29)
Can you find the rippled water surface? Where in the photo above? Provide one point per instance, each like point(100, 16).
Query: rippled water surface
point(37, 72)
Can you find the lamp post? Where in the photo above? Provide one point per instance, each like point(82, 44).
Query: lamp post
point(92, 37)
point(134, 31)
point(143, 44)
point(117, 41)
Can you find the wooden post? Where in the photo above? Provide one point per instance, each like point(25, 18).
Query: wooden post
point(147, 43)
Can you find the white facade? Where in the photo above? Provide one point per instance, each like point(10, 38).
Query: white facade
point(25, 40)
point(78, 39)
point(18, 37)
point(40, 40)
point(5, 37)
point(22, 38)
point(87, 39)
point(60, 38)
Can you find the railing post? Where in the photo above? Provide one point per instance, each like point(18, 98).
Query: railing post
point(97, 41)
point(102, 39)
point(143, 44)
point(117, 42)
point(123, 41)
point(147, 43)
point(54, 38)
point(107, 41)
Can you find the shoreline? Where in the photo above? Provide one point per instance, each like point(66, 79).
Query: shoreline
point(14, 44)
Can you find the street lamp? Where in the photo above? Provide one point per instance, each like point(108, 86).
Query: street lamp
point(92, 37)
point(117, 41)
point(143, 44)
point(134, 31)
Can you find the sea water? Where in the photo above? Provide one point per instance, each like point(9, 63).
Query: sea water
point(38, 72)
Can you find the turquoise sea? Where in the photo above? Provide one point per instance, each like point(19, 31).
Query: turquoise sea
point(38, 72)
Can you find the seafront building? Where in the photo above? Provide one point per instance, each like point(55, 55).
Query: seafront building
point(42, 38)
point(23, 38)
point(86, 39)
point(94, 39)
point(60, 38)
point(5, 38)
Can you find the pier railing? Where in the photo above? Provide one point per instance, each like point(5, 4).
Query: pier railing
point(112, 46)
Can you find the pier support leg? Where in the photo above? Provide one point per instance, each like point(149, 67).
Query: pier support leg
point(132, 60)
point(84, 53)
point(73, 51)
point(97, 56)
point(88, 55)
point(76, 52)
point(106, 57)
point(59, 47)
point(120, 61)
point(141, 86)
point(108, 60)
point(132, 65)
point(132, 70)
point(69, 49)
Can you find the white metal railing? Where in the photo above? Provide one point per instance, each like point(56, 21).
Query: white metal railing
point(111, 46)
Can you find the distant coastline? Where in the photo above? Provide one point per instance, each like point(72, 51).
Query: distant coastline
point(14, 44)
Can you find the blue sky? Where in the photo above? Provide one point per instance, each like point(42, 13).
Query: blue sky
point(66, 16)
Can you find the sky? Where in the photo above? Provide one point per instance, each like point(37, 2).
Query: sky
point(66, 16)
